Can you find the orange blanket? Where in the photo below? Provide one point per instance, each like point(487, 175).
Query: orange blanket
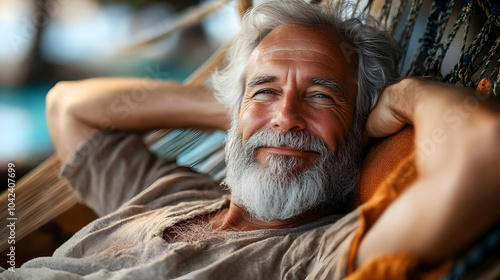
point(383, 157)
point(387, 170)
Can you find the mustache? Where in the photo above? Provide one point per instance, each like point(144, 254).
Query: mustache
point(302, 140)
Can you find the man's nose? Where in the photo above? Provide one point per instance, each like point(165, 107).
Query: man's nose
point(288, 115)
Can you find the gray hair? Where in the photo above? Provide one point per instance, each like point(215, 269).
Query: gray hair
point(378, 54)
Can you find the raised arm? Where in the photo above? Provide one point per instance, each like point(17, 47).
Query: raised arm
point(76, 110)
point(456, 195)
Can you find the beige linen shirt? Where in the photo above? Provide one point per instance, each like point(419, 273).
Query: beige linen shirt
point(138, 195)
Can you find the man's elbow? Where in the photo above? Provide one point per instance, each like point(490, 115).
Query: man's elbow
point(56, 100)
point(57, 111)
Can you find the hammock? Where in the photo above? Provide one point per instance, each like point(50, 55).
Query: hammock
point(41, 195)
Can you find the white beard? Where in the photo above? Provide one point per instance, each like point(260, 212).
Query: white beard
point(279, 192)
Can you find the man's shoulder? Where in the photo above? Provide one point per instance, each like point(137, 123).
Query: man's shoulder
point(183, 184)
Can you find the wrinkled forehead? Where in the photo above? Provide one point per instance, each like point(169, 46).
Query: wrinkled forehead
point(297, 42)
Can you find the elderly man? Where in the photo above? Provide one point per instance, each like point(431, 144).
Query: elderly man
point(299, 85)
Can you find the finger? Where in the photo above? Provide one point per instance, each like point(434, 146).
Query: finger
point(382, 122)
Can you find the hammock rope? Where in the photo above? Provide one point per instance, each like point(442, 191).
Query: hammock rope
point(437, 13)
point(367, 8)
point(410, 26)
point(489, 58)
point(474, 57)
point(397, 18)
point(431, 63)
point(355, 8)
point(386, 10)
point(473, 258)
point(434, 68)
point(464, 69)
point(494, 88)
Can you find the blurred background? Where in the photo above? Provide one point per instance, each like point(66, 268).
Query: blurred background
point(46, 41)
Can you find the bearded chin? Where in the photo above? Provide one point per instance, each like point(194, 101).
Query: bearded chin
point(283, 189)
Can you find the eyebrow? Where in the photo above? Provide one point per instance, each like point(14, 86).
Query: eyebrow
point(327, 83)
point(261, 80)
point(317, 81)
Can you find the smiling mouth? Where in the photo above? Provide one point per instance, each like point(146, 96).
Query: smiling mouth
point(283, 150)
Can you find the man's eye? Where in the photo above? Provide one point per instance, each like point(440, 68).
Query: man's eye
point(321, 98)
point(265, 91)
point(320, 95)
point(265, 94)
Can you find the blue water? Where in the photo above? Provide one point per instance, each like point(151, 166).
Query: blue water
point(22, 122)
point(24, 135)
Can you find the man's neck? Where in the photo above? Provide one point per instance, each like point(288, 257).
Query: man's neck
point(237, 218)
